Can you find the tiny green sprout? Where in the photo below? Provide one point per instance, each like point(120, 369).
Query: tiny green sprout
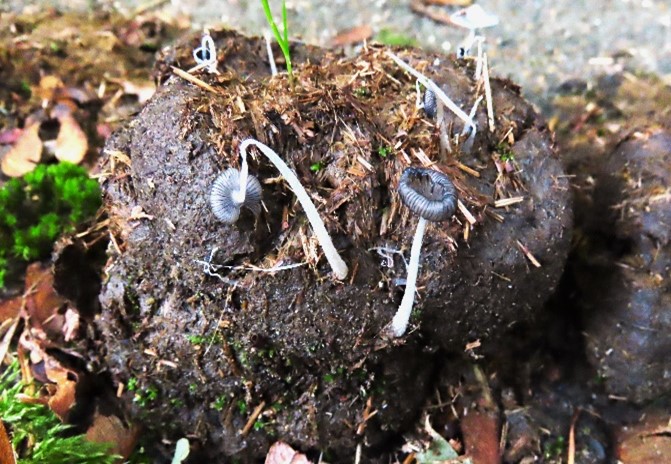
point(260, 424)
point(196, 339)
point(242, 407)
point(316, 167)
point(132, 384)
point(505, 152)
point(177, 402)
point(219, 403)
point(193, 388)
point(362, 92)
point(329, 378)
point(383, 151)
point(283, 38)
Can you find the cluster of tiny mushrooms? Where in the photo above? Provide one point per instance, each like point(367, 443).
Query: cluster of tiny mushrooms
point(428, 193)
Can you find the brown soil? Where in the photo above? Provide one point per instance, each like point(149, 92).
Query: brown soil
point(306, 350)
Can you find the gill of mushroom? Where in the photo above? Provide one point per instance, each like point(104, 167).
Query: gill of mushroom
point(439, 93)
point(226, 200)
point(334, 259)
point(432, 196)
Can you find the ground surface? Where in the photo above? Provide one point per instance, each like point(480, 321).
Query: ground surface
point(539, 44)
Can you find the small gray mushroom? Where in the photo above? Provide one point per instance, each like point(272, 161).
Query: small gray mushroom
point(430, 103)
point(225, 198)
point(432, 196)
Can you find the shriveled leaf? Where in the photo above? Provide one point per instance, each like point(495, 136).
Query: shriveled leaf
point(144, 90)
point(449, 2)
point(48, 87)
point(439, 451)
point(62, 397)
point(352, 36)
point(645, 442)
point(481, 433)
point(10, 308)
point(25, 154)
point(71, 143)
point(7, 455)
point(110, 429)
point(281, 453)
point(10, 136)
point(42, 301)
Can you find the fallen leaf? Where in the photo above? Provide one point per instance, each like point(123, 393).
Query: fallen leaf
point(352, 36)
point(62, 397)
point(71, 325)
point(48, 87)
point(10, 136)
point(449, 2)
point(645, 442)
point(10, 308)
point(144, 91)
point(481, 437)
point(25, 154)
point(281, 453)
point(439, 449)
point(7, 455)
point(71, 143)
point(42, 301)
point(110, 429)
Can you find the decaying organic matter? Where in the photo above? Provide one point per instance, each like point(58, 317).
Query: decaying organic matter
point(238, 354)
point(623, 265)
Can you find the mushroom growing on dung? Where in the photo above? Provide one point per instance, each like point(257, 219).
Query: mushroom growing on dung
point(431, 195)
point(238, 197)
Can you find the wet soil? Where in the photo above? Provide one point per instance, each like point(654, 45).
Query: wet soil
point(241, 358)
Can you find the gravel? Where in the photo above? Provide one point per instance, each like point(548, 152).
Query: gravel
point(539, 44)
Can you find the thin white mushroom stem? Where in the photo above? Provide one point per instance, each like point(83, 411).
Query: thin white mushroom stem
point(239, 195)
point(429, 84)
point(339, 267)
point(400, 322)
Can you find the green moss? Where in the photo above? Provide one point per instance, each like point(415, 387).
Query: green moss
point(395, 39)
point(40, 206)
point(36, 433)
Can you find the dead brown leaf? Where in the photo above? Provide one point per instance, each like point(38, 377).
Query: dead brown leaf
point(10, 308)
point(42, 301)
point(110, 429)
point(645, 442)
point(281, 453)
point(449, 2)
point(481, 436)
point(352, 36)
point(48, 87)
point(62, 397)
point(7, 455)
point(71, 142)
point(25, 154)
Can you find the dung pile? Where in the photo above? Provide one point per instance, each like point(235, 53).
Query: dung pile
point(224, 350)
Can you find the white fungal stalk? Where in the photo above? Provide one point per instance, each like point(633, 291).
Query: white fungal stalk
point(400, 322)
point(205, 56)
point(332, 256)
point(429, 84)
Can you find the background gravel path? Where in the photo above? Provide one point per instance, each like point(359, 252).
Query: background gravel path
point(539, 43)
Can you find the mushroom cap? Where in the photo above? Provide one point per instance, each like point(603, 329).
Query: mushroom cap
point(430, 102)
point(428, 193)
point(224, 206)
point(474, 17)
